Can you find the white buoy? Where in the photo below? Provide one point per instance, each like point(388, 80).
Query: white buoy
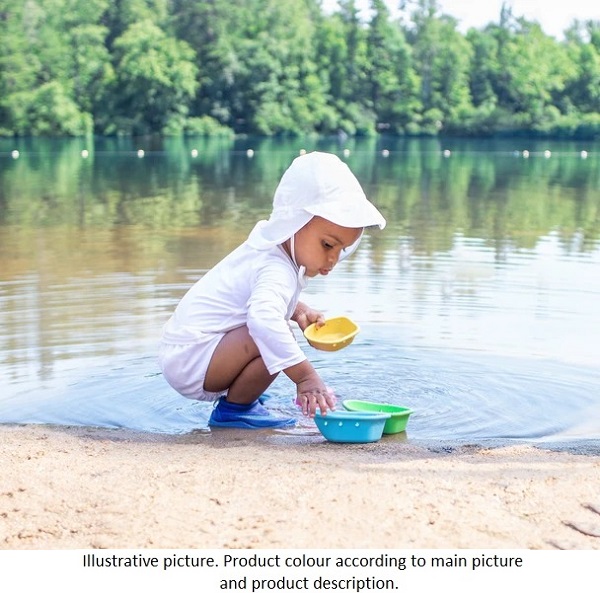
point(140, 154)
point(249, 153)
point(446, 153)
point(346, 152)
point(302, 151)
point(385, 153)
point(194, 153)
point(85, 154)
point(525, 154)
point(15, 154)
point(547, 154)
point(584, 154)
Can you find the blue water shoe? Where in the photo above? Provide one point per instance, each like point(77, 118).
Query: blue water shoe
point(254, 415)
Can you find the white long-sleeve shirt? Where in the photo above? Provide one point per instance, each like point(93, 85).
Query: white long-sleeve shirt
point(252, 287)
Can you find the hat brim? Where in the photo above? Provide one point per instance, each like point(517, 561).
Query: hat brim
point(268, 233)
point(275, 231)
point(350, 214)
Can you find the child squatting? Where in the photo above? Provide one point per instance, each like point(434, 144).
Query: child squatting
point(230, 336)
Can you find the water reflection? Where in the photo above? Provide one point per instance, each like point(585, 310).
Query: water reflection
point(486, 254)
point(484, 190)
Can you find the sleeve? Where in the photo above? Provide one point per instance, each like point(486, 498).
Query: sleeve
point(273, 290)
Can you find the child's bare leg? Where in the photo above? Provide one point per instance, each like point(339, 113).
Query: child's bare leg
point(236, 365)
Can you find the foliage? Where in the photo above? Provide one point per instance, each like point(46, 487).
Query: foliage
point(287, 67)
point(48, 111)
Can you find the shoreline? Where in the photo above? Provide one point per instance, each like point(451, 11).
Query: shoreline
point(94, 488)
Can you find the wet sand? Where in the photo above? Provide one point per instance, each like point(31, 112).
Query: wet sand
point(85, 488)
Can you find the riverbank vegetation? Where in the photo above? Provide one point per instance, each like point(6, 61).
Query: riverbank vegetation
point(288, 67)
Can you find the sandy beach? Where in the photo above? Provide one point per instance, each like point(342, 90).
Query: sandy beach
point(73, 488)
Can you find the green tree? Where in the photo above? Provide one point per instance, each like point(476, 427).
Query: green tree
point(283, 93)
point(19, 67)
point(342, 63)
point(331, 51)
point(258, 71)
point(122, 14)
point(528, 73)
point(537, 68)
point(354, 105)
point(155, 81)
point(392, 80)
point(286, 67)
point(484, 67)
point(442, 60)
point(210, 29)
point(62, 62)
point(48, 110)
point(583, 50)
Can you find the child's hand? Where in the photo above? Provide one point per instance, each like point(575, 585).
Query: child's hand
point(305, 315)
point(309, 397)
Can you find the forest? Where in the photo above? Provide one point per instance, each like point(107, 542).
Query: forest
point(289, 68)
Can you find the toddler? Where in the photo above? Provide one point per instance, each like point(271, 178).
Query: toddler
point(230, 337)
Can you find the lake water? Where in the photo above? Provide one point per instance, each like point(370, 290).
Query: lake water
point(479, 304)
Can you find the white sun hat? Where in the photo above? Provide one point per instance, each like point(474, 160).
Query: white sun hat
point(315, 184)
